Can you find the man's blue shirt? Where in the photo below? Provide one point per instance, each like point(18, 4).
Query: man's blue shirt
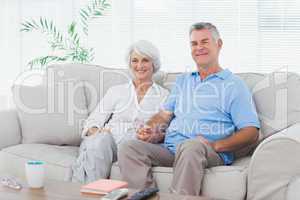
point(215, 108)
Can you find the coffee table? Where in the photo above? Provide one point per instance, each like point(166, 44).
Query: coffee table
point(60, 190)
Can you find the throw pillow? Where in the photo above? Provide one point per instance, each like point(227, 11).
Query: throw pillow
point(51, 114)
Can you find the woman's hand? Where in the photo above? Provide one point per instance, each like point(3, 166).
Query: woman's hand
point(95, 130)
point(92, 131)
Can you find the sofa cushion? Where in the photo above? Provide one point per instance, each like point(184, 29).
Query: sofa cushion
point(51, 114)
point(10, 132)
point(277, 101)
point(58, 159)
point(224, 182)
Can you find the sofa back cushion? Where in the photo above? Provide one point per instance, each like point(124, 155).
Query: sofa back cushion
point(97, 79)
point(276, 99)
point(277, 102)
point(51, 114)
point(274, 94)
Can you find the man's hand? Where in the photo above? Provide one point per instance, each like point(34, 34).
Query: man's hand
point(205, 141)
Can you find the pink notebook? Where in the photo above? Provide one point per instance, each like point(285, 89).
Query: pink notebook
point(103, 186)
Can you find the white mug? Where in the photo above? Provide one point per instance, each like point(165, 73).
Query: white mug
point(35, 173)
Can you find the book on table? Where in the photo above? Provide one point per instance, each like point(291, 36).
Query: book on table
point(103, 186)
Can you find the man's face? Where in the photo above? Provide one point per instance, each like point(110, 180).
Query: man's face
point(204, 49)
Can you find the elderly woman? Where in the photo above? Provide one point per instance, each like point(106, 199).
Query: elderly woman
point(125, 107)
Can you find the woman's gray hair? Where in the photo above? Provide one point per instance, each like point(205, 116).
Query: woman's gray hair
point(145, 48)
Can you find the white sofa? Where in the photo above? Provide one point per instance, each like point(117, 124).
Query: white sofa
point(271, 172)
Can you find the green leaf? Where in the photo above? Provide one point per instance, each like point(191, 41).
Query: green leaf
point(41, 22)
point(85, 12)
point(85, 30)
point(84, 22)
point(97, 13)
point(89, 8)
point(71, 29)
point(24, 30)
point(35, 24)
point(45, 60)
point(29, 24)
point(75, 37)
point(46, 24)
point(24, 24)
point(51, 25)
point(83, 17)
point(106, 5)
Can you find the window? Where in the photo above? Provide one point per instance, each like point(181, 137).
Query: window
point(258, 35)
point(279, 33)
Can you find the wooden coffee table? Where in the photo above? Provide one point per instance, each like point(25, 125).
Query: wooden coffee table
point(59, 190)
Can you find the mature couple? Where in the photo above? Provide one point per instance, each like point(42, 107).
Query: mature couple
point(208, 115)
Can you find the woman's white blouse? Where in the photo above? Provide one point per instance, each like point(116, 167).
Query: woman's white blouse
point(127, 114)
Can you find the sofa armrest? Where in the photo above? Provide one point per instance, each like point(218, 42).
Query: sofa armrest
point(10, 131)
point(293, 189)
point(274, 164)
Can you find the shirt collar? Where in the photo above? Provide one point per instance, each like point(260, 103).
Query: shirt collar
point(154, 85)
point(225, 73)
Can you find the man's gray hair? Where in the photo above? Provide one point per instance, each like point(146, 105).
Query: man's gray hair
point(145, 48)
point(206, 25)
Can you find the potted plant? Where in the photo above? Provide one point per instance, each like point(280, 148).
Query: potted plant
point(66, 46)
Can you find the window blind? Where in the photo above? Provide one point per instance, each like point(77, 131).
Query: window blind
point(262, 35)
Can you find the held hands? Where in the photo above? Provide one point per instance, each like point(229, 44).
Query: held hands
point(145, 133)
point(149, 134)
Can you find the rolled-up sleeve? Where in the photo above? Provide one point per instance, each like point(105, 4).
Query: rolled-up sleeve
point(242, 108)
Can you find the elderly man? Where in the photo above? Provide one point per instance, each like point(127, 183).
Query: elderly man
point(208, 115)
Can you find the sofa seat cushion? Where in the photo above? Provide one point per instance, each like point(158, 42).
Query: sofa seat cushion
point(224, 182)
point(58, 159)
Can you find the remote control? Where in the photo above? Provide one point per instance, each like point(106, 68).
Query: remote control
point(116, 194)
point(143, 194)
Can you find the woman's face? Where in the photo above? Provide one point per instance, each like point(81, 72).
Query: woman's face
point(142, 67)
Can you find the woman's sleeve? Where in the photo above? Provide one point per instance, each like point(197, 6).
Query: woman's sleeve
point(102, 112)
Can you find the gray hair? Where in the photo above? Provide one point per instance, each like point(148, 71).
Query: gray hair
point(206, 25)
point(145, 48)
